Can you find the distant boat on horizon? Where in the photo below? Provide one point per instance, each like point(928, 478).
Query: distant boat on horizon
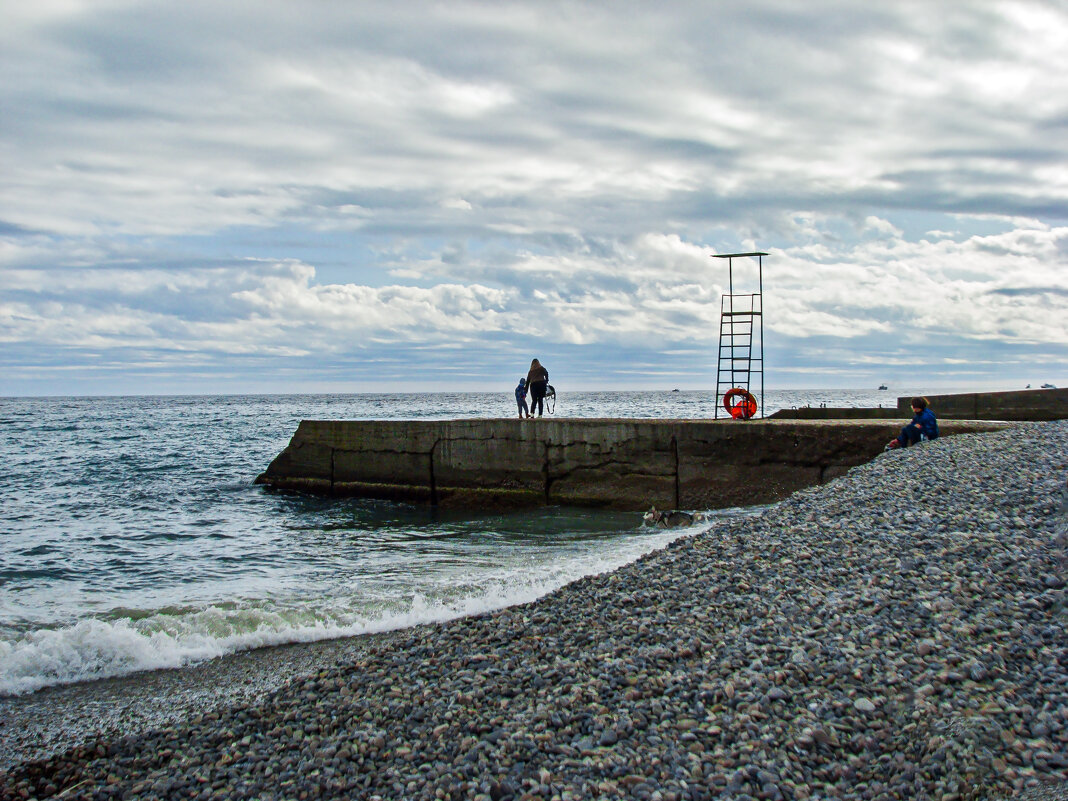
point(882, 386)
point(1048, 386)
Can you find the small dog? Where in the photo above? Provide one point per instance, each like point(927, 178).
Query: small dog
point(672, 519)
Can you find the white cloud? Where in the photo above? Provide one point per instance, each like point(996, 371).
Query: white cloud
point(881, 226)
point(349, 178)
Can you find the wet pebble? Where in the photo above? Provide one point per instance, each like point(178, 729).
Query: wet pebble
point(898, 633)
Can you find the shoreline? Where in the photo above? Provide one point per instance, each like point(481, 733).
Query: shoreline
point(897, 633)
point(53, 719)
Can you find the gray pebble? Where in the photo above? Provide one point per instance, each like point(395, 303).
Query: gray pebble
point(896, 633)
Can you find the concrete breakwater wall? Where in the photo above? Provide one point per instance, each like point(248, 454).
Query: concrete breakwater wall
point(1024, 404)
point(617, 463)
point(839, 413)
point(1016, 405)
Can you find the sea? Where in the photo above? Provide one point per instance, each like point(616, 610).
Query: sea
point(132, 536)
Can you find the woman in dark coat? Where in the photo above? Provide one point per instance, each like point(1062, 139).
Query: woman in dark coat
point(537, 381)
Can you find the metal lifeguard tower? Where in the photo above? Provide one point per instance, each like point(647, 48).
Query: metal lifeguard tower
point(741, 341)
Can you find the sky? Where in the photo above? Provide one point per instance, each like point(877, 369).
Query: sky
point(318, 196)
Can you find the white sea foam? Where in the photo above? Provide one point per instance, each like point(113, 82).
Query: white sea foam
point(135, 540)
point(95, 648)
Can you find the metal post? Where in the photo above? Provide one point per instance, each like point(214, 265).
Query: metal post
point(760, 287)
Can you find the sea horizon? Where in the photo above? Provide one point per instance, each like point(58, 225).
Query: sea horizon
point(937, 389)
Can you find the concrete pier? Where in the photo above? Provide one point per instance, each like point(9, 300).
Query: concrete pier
point(1014, 405)
point(1023, 404)
point(624, 464)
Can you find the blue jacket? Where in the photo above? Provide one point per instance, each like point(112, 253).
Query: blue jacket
point(927, 422)
point(520, 392)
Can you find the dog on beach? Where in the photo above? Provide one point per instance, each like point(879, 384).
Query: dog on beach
point(673, 519)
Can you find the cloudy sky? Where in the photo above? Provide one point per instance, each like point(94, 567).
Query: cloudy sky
point(206, 196)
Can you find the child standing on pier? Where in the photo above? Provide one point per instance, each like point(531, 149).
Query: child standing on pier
point(521, 398)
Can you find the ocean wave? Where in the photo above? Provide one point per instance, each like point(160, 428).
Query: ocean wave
point(175, 637)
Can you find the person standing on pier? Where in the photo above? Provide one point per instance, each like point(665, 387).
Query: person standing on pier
point(521, 398)
point(537, 381)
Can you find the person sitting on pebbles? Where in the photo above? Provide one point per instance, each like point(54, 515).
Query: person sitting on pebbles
point(924, 425)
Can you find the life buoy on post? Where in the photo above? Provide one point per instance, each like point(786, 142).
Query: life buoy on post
point(744, 408)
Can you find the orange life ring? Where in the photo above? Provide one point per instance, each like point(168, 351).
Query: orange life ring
point(745, 408)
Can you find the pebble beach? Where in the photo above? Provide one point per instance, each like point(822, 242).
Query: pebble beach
point(898, 633)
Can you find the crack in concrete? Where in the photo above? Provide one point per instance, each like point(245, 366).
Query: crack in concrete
point(675, 451)
point(433, 480)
